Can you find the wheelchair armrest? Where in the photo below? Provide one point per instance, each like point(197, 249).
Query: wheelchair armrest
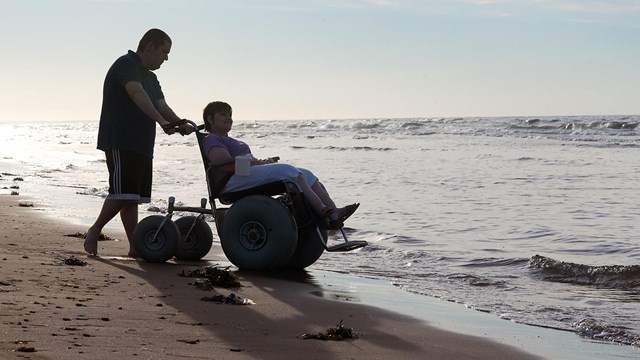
point(219, 181)
point(221, 162)
point(269, 189)
point(232, 159)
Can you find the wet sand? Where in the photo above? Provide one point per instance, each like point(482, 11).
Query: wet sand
point(117, 307)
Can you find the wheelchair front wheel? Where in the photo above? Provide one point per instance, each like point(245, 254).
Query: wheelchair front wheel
point(156, 238)
point(194, 244)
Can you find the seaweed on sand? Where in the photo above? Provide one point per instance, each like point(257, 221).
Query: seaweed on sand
point(337, 333)
point(211, 276)
point(74, 261)
point(232, 299)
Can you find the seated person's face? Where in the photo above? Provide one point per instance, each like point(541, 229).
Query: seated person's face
point(221, 122)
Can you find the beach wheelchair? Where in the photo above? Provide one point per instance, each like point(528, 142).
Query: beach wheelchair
point(267, 227)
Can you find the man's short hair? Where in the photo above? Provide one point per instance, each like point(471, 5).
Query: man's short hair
point(156, 37)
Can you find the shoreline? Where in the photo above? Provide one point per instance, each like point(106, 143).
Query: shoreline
point(432, 312)
point(548, 343)
point(116, 306)
point(416, 319)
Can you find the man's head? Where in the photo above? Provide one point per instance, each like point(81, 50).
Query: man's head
point(154, 48)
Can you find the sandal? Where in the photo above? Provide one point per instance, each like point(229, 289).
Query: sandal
point(342, 215)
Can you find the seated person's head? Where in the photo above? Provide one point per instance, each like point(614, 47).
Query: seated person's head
point(213, 108)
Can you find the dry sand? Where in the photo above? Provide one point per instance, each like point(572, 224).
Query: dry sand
point(116, 307)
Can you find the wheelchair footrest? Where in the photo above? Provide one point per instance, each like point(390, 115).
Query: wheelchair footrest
point(346, 246)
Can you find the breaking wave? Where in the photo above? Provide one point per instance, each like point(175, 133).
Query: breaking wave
point(624, 277)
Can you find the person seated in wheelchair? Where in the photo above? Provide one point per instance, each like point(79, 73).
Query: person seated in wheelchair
point(220, 148)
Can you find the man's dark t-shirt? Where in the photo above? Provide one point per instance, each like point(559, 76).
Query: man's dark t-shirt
point(123, 125)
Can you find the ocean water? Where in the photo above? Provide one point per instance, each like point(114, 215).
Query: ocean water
point(533, 220)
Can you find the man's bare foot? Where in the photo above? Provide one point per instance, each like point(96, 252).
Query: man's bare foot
point(133, 254)
point(91, 243)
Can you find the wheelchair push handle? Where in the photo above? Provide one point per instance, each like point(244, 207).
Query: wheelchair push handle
point(175, 126)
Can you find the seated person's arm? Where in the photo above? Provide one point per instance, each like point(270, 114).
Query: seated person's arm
point(221, 158)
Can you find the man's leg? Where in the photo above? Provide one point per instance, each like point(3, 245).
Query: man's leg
point(129, 217)
point(110, 209)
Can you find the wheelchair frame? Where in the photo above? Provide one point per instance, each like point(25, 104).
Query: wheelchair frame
point(157, 238)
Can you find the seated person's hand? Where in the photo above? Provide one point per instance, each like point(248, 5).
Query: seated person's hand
point(270, 160)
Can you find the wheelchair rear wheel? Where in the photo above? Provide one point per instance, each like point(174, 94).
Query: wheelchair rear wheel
point(156, 238)
point(259, 233)
point(198, 242)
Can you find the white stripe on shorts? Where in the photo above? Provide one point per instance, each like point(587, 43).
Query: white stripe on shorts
point(117, 171)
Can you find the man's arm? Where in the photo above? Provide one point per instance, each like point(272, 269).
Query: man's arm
point(166, 111)
point(168, 114)
point(140, 97)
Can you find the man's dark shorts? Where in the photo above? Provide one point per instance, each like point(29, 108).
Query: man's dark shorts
point(130, 176)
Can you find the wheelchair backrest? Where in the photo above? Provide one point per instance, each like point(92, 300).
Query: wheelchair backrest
point(201, 136)
point(211, 174)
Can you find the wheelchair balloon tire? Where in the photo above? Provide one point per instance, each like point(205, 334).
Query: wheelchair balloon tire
point(259, 233)
point(155, 241)
point(198, 243)
point(309, 249)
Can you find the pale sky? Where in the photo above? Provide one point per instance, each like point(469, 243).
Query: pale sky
point(330, 59)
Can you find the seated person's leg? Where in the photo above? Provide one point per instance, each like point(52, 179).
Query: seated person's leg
point(261, 175)
point(315, 194)
point(321, 202)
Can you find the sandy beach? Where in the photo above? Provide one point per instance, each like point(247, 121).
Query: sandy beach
point(116, 307)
